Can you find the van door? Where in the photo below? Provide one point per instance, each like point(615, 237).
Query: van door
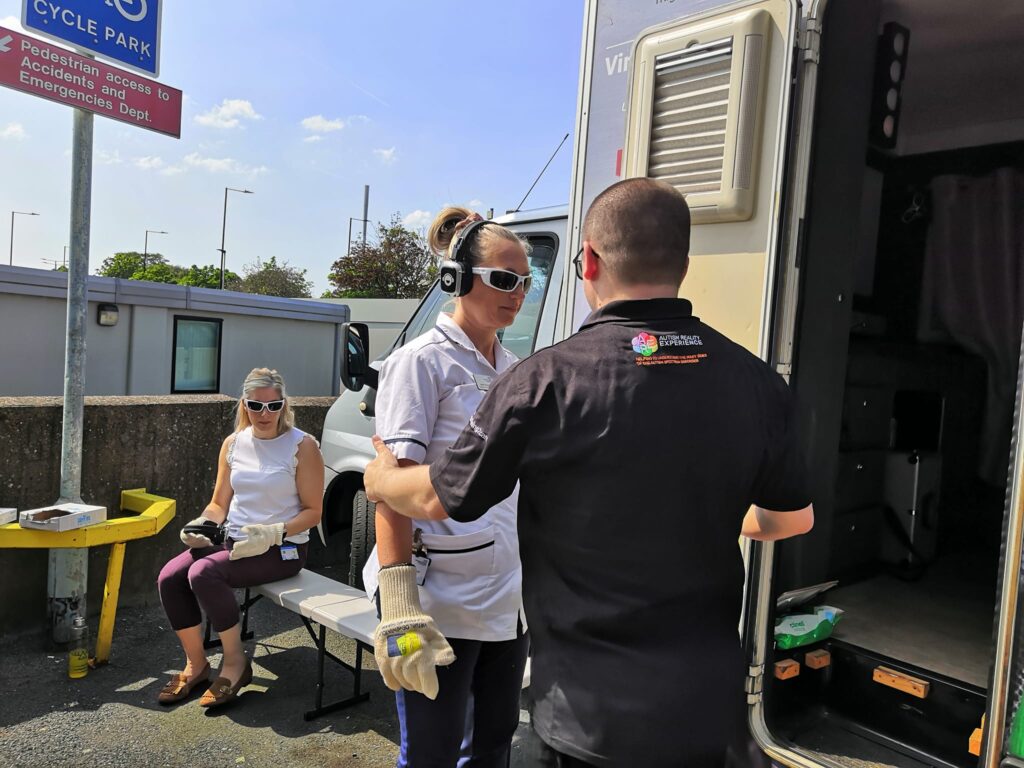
point(716, 99)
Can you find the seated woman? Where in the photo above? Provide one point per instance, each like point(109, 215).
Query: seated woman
point(269, 491)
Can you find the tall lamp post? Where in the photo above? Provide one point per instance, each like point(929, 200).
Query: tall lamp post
point(10, 261)
point(223, 228)
point(350, 220)
point(145, 248)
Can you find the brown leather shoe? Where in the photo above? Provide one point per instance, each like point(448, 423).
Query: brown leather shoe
point(221, 691)
point(179, 686)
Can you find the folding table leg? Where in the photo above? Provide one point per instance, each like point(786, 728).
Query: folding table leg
point(321, 650)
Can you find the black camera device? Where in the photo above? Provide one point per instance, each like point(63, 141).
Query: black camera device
point(211, 530)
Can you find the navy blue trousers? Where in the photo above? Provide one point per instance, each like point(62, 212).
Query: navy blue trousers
point(471, 722)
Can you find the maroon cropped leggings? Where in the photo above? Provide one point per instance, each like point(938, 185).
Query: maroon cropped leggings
point(206, 579)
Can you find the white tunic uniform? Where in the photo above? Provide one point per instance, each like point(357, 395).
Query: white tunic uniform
point(263, 481)
point(428, 391)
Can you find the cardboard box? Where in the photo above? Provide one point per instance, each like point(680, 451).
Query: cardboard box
point(62, 517)
point(8, 515)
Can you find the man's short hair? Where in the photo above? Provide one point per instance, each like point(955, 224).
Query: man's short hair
point(640, 229)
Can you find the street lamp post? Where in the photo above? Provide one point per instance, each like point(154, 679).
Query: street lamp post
point(13, 214)
point(350, 220)
point(145, 248)
point(223, 228)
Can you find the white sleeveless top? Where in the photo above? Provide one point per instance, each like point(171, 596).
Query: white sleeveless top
point(263, 481)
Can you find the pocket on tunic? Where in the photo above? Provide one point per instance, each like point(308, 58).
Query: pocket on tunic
point(464, 554)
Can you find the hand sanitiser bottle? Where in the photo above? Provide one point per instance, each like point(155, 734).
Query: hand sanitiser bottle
point(78, 655)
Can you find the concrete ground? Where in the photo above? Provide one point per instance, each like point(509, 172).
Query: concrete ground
point(111, 718)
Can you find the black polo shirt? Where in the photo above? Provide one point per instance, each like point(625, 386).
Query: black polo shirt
point(639, 442)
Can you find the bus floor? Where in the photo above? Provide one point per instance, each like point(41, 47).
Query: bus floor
point(941, 622)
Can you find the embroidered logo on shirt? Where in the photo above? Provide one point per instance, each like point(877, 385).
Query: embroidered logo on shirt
point(645, 344)
point(657, 350)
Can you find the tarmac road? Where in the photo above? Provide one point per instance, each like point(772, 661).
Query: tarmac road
point(111, 719)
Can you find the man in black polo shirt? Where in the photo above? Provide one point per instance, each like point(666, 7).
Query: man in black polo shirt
point(643, 445)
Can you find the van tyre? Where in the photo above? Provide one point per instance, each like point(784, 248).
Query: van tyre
point(364, 537)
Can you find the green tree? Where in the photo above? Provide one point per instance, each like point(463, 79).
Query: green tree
point(207, 277)
point(160, 273)
point(270, 278)
point(127, 263)
point(398, 266)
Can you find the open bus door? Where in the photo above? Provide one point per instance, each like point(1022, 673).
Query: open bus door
point(716, 99)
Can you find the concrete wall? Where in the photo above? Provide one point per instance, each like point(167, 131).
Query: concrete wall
point(168, 445)
point(134, 357)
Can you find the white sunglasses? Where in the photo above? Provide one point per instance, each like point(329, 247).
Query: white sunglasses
point(256, 406)
point(503, 279)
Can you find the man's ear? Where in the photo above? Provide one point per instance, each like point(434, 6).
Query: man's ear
point(591, 262)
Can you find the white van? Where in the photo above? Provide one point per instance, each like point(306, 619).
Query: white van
point(855, 172)
point(349, 424)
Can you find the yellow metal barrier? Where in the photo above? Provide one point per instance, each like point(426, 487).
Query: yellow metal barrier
point(153, 513)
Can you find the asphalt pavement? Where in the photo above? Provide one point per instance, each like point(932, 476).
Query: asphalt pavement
point(111, 719)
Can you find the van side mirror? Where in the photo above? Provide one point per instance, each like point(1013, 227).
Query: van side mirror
point(355, 357)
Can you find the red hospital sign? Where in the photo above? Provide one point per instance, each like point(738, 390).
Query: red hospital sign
point(30, 65)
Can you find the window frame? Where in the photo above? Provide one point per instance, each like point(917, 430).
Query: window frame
point(219, 321)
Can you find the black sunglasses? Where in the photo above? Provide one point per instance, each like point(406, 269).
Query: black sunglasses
point(578, 262)
point(256, 406)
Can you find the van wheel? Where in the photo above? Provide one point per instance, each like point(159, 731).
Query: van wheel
point(364, 537)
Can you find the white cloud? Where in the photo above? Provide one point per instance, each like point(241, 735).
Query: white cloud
point(223, 165)
point(417, 219)
point(229, 114)
point(312, 139)
point(148, 163)
point(12, 22)
point(13, 131)
point(171, 170)
point(387, 156)
point(320, 124)
point(474, 203)
point(105, 157)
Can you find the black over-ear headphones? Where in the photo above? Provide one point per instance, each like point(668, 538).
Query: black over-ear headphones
point(456, 274)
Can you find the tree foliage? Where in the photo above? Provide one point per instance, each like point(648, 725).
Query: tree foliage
point(398, 266)
point(270, 278)
point(160, 272)
point(154, 267)
point(127, 263)
point(207, 277)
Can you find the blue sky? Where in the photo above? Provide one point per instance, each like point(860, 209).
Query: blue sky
point(427, 102)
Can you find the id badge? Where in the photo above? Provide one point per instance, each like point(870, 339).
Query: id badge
point(421, 563)
point(483, 383)
point(289, 552)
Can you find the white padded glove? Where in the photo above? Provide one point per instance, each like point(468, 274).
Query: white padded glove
point(259, 538)
point(195, 540)
point(407, 644)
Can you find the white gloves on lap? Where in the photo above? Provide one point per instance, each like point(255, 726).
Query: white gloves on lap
point(407, 644)
point(197, 540)
point(259, 538)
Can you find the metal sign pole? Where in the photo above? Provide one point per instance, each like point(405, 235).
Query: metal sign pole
point(68, 568)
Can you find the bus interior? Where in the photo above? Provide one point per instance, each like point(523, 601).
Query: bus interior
point(905, 367)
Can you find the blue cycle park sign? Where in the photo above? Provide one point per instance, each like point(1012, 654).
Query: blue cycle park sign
point(126, 32)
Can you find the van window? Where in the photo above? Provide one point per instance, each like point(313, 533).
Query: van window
point(519, 337)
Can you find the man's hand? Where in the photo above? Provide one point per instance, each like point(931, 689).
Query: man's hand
point(407, 644)
point(259, 538)
point(376, 470)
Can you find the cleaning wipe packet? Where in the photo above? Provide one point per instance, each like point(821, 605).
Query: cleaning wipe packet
point(800, 629)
